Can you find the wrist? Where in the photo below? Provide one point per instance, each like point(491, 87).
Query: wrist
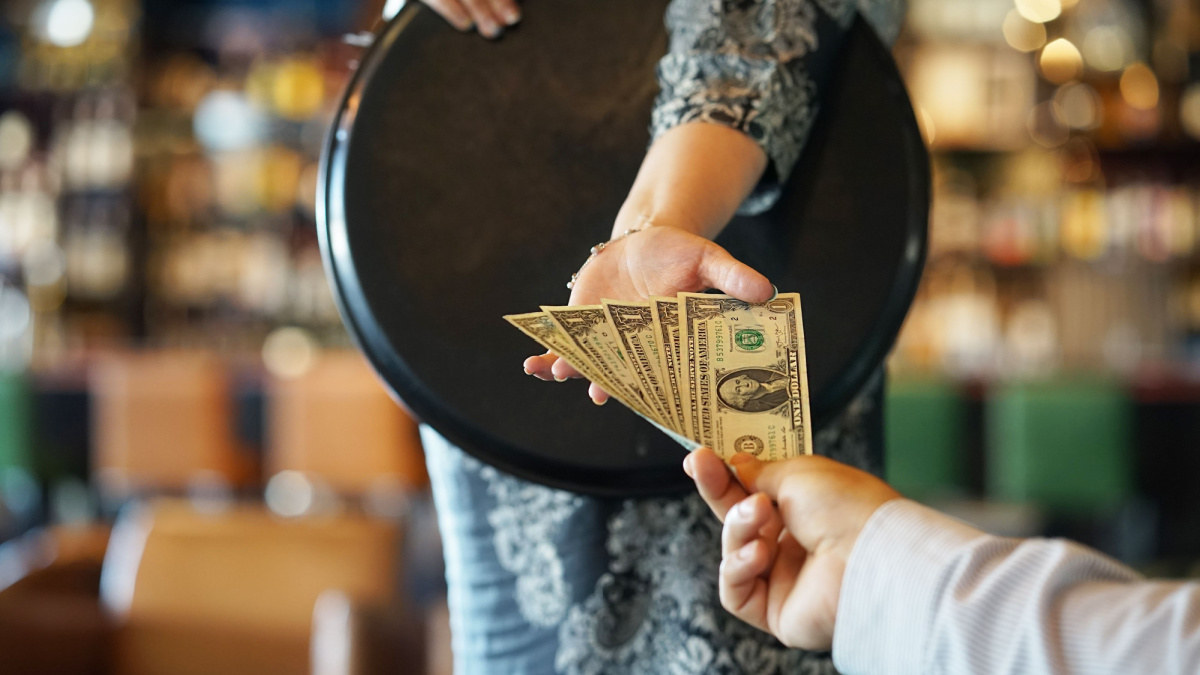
point(636, 219)
point(693, 178)
point(615, 240)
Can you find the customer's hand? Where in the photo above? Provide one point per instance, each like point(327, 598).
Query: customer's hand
point(789, 530)
point(656, 261)
point(489, 17)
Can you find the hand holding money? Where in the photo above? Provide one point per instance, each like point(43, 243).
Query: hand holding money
point(658, 261)
point(708, 370)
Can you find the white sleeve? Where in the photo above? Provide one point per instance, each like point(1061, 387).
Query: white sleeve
point(926, 594)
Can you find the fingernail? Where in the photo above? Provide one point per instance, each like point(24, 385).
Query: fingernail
point(599, 402)
point(559, 379)
point(776, 292)
point(741, 458)
point(527, 371)
point(489, 29)
point(741, 462)
point(512, 17)
point(687, 466)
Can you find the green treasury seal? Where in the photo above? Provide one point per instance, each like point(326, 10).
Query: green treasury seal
point(748, 339)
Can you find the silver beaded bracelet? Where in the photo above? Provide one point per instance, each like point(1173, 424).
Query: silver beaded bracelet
point(596, 251)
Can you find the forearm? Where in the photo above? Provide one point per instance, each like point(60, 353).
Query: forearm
point(923, 593)
point(694, 178)
point(754, 66)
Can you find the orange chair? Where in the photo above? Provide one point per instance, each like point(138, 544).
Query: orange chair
point(235, 592)
point(338, 423)
point(163, 421)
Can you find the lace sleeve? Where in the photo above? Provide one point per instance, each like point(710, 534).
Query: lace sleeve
point(756, 66)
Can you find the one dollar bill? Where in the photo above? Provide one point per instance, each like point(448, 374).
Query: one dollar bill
point(746, 378)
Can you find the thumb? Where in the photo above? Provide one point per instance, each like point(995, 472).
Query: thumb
point(794, 498)
point(748, 469)
point(729, 275)
point(768, 477)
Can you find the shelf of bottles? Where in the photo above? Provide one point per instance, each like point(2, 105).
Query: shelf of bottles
point(230, 152)
point(157, 176)
point(1064, 230)
point(67, 115)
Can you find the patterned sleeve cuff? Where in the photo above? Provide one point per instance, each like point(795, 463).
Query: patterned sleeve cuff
point(773, 105)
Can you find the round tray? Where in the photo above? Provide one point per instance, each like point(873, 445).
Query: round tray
point(465, 179)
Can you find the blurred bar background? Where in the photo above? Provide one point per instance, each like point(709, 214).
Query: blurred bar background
point(198, 474)
point(1048, 377)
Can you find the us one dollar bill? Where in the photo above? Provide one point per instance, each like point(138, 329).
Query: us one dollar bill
point(706, 369)
point(746, 374)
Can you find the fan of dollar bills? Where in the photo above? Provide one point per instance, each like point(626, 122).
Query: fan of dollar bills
point(709, 370)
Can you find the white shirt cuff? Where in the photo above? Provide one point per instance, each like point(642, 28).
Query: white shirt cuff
point(891, 587)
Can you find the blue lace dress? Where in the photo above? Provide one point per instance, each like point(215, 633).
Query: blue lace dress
point(548, 581)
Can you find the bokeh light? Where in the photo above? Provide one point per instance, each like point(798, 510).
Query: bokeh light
point(1039, 11)
point(67, 23)
point(289, 494)
point(16, 139)
point(298, 89)
point(1139, 87)
point(1078, 106)
point(15, 314)
point(1189, 110)
point(1022, 34)
point(289, 352)
point(225, 121)
point(1107, 48)
point(1060, 61)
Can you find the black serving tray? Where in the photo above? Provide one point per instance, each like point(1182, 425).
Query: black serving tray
point(465, 179)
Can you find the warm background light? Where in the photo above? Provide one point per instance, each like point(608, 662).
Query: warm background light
point(167, 328)
point(1107, 48)
point(1022, 34)
point(1189, 111)
point(1078, 106)
point(1139, 87)
point(1060, 61)
point(16, 140)
point(289, 352)
point(67, 23)
point(1039, 11)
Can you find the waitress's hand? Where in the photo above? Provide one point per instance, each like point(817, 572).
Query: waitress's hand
point(659, 260)
point(489, 17)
